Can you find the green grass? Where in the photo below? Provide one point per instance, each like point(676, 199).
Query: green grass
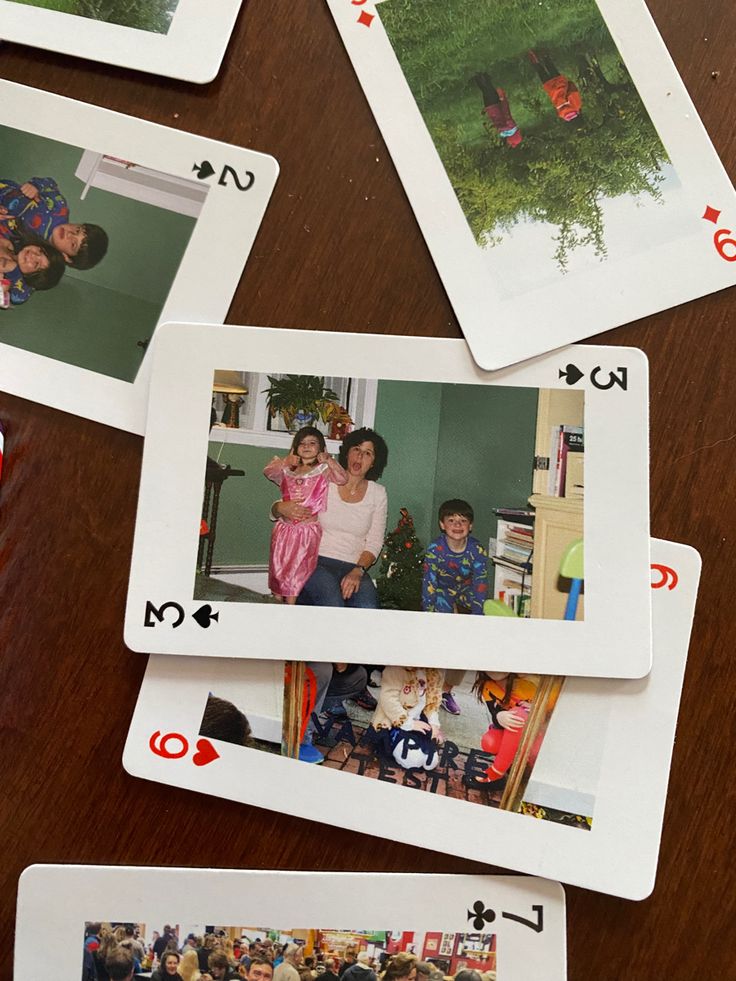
point(560, 173)
point(144, 15)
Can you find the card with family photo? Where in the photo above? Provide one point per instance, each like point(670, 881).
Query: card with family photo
point(560, 777)
point(183, 39)
point(126, 923)
point(555, 163)
point(384, 490)
point(110, 225)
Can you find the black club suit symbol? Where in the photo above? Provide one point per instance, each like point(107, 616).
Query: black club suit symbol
point(480, 915)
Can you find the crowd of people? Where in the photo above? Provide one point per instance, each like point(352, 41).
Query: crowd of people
point(121, 953)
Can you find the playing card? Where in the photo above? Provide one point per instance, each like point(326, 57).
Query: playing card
point(540, 467)
point(582, 799)
point(557, 168)
point(510, 926)
point(180, 38)
point(111, 225)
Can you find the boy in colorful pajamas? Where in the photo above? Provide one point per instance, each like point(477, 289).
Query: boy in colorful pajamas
point(455, 564)
point(42, 209)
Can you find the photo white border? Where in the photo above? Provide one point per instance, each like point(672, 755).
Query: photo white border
point(502, 332)
point(616, 511)
point(192, 50)
point(64, 897)
point(229, 222)
point(618, 855)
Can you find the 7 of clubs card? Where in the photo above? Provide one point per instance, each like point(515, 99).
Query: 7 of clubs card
point(511, 927)
point(552, 157)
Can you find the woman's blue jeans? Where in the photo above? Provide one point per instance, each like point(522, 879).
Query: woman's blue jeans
point(323, 587)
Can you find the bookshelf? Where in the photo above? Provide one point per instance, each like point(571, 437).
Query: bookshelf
point(511, 554)
point(529, 543)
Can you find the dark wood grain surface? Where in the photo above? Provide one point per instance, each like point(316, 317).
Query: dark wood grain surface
point(340, 249)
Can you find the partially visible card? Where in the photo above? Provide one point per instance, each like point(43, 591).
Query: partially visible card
point(556, 165)
point(513, 927)
point(180, 38)
point(110, 225)
point(585, 786)
point(545, 466)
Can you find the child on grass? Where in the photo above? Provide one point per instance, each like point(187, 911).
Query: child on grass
point(303, 475)
point(561, 91)
point(455, 576)
point(496, 109)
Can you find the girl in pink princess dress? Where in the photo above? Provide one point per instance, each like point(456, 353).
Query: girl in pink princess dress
point(304, 475)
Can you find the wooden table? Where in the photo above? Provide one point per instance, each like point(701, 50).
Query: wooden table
point(340, 250)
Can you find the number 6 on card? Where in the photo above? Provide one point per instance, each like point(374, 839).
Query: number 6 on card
point(548, 169)
point(381, 498)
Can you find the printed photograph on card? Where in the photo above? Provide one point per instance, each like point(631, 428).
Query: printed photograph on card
point(379, 494)
point(386, 490)
point(561, 777)
point(106, 223)
point(81, 281)
point(156, 36)
point(549, 151)
point(152, 15)
point(469, 736)
point(204, 925)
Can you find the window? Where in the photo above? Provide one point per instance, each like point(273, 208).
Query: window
point(246, 391)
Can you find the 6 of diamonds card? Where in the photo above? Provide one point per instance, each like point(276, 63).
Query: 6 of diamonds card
point(513, 927)
point(427, 513)
point(573, 790)
point(555, 163)
point(180, 38)
point(110, 225)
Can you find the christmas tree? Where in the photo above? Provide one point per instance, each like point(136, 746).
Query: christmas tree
point(402, 557)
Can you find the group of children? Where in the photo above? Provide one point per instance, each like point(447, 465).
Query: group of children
point(38, 241)
point(561, 91)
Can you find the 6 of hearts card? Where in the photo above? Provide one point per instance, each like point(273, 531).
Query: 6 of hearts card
point(513, 927)
point(555, 163)
point(564, 778)
point(110, 225)
point(432, 513)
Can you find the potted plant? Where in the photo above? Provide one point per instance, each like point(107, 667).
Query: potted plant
point(300, 399)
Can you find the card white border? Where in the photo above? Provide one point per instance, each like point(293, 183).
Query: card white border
point(228, 224)
point(63, 897)
point(502, 332)
point(618, 855)
point(616, 511)
point(192, 50)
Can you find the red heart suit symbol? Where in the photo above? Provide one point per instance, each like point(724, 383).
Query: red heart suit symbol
point(206, 753)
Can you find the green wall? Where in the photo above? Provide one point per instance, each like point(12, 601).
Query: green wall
point(486, 450)
point(444, 441)
point(94, 319)
point(408, 418)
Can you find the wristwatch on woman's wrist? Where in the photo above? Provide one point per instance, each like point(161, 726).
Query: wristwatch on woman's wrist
point(363, 568)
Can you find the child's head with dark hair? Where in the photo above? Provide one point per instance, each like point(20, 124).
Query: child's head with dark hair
point(40, 263)
point(357, 438)
point(311, 433)
point(82, 246)
point(222, 720)
point(94, 247)
point(455, 506)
